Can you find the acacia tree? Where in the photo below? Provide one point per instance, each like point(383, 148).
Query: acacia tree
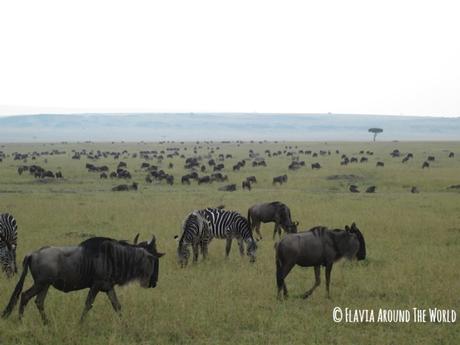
point(375, 131)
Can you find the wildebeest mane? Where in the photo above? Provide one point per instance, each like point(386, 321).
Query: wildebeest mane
point(121, 261)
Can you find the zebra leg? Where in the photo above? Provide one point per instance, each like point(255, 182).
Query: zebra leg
point(317, 282)
point(241, 246)
point(114, 300)
point(195, 252)
point(204, 249)
point(26, 296)
point(228, 246)
point(40, 303)
point(93, 291)
point(328, 278)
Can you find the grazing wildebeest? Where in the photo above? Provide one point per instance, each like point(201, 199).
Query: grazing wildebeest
point(430, 158)
point(414, 190)
point(380, 164)
point(317, 247)
point(251, 179)
point(8, 244)
point(99, 263)
point(228, 188)
point(354, 189)
point(316, 166)
point(371, 189)
point(204, 179)
point(246, 184)
point(451, 155)
point(185, 179)
point(280, 179)
point(125, 187)
point(276, 212)
point(425, 165)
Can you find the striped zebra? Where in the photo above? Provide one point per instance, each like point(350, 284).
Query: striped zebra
point(201, 226)
point(8, 243)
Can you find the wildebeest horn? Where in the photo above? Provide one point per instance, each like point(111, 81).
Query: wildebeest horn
point(152, 241)
point(136, 238)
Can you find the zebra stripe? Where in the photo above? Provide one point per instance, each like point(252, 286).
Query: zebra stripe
point(8, 243)
point(201, 226)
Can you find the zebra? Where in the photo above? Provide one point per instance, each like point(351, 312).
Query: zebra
point(8, 244)
point(194, 230)
point(201, 226)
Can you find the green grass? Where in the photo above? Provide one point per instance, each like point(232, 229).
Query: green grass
point(413, 245)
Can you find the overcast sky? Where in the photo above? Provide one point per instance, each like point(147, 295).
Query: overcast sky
point(364, 57)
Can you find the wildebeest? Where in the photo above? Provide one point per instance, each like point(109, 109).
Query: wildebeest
point(204, 179)
point(425, 165)
point(353, 189)
point(430, 158)
point(371, 189)
point(451, 155)
point(276, 212)
point(316, 166)
point(280, 179)
point(246, 185)
point(317, 247)
point(380, 164)
point(251, 179)
point(414, 190)
point(228, 188)
point(98, 263)
point(125, 187)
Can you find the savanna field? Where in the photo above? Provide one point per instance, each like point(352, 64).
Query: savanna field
point(412, 239)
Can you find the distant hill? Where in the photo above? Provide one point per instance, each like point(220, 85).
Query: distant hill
point(208, 126)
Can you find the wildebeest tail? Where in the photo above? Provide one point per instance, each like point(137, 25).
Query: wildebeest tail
point(249, 220)
point(279, 267)
point(18, 289)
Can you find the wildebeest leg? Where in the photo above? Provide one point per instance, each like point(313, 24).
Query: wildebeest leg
point(26, 296)
point(276, 230)
point(93, 291)
point(317, 282)
point(328, 278)
point(40, 303)
point(228, 246)
point(257, 227)
point(241, 246)
point(282, 270)
point(114, 300)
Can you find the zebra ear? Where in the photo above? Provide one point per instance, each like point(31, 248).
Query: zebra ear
point(347, 228)
point(136, 238)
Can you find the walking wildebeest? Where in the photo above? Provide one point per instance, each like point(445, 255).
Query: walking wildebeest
point(99, 263)
point(354, 189)
point(425, 165)
point(246, 184)
point(317, 247)
point(276, 212)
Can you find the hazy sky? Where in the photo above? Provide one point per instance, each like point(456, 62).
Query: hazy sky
point(368, 57)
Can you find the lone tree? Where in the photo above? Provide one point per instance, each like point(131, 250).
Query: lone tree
point(375, 131)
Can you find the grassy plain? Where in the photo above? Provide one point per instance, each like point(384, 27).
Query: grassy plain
point(413, 245)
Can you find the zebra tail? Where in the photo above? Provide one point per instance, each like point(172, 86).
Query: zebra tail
point(18, 289)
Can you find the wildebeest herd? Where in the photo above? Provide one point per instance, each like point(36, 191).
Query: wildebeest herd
point(100, 263)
